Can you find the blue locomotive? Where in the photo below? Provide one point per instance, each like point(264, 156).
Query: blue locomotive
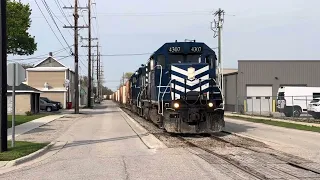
point(177, 89)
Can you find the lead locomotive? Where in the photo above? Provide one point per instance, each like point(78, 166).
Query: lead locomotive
point(177, 89)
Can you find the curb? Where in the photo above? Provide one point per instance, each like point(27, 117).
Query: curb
point(30, 156)
point(148, 139)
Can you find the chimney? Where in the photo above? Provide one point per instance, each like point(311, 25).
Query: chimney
point(50, 54)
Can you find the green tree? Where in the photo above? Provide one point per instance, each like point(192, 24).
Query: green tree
point(20, 42)
point(26, 66)
point(127, 75)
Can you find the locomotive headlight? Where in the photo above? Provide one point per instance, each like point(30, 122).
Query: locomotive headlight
point(176, 105)
point(210, 104)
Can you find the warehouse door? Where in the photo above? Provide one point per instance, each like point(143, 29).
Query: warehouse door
point(259, 99)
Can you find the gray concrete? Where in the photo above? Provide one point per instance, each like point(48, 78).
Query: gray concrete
point(28, 126)
point(104, 146)
point(300, 143)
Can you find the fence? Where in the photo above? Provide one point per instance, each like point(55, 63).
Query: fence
point(286, 107)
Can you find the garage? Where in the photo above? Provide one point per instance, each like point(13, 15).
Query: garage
point(259, 98)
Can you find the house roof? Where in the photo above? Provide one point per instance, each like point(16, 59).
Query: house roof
point(229, 70)
point(23, 88)
point(48, 69)
point(52, 59)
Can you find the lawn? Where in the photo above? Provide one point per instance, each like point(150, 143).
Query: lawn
point(20, 119)
point(279, 123)
point(21, 149)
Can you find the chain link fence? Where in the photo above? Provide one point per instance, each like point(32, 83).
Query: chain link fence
point(285, 107)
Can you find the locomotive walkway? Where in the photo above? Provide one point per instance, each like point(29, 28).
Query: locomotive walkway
point(109, 145)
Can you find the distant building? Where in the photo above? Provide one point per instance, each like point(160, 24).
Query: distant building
point(27, 99)
point(50, 76)
point(254, 87)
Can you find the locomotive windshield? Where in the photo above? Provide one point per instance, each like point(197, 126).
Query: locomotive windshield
point(178, 58)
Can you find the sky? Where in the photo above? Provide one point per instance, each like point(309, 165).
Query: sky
point(252, 30)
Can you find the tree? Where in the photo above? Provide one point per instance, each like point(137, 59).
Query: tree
point(105, 90)
point(26, 66)
point(127, 75)
point(84, 81)
point(20, 42)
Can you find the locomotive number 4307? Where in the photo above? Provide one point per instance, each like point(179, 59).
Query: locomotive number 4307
point(196, 49)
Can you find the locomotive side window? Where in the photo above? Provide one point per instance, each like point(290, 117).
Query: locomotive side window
point(210, 61)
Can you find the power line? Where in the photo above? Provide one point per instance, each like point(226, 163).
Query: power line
point(40, 56)
point(49, 24)
point(50, 13)
point(61, 10)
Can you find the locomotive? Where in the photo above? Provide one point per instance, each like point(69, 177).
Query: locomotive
point(177, 89)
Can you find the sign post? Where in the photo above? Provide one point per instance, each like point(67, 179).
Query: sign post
point(15, 76)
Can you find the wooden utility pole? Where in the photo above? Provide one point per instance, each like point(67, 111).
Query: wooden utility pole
point(97, 68)
point(91, 64)
point(89, 56)
point(76, 58)
point(101, 78)
point(76, 53)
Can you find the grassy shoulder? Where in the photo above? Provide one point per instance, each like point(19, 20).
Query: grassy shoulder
point(20, 119)
point(279, 123)
point(22, 148)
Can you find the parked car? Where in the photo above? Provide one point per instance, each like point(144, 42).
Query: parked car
point(314, 108)
point(48, 106)
point(59, 104)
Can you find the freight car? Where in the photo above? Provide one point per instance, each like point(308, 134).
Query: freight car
point(177, 89)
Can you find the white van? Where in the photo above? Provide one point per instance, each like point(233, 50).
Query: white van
point(293, 101)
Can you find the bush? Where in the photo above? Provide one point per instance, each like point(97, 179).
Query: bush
point(28, 113)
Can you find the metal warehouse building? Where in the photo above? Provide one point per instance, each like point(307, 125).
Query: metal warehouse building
point(254, 87)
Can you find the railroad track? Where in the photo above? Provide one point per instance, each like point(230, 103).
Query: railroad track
point(196, 141)
point(226, 159)
point(289, 161)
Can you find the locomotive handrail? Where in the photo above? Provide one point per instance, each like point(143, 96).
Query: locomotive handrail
point(159, 82)
point(140, 96)
point(218, 85)
point(162, 98)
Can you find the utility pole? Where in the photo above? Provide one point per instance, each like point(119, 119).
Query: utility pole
point(123, 79)
point(92, 77)
point(97, 89)
point(101, 78)
point(76, 53)
point(89, 56)
point(76, 58)
point(218, 25)
point(3, 77)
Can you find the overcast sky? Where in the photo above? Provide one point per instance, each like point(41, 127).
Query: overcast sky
point(253, 30)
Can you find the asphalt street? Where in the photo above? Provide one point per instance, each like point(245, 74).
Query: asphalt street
point(104, 146)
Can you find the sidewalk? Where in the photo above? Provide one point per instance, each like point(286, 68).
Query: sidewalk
point(230, 115)
point(28, 126)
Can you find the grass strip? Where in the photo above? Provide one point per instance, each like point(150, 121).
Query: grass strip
point(278, 123)
point(22, 148)
point(20, 119)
